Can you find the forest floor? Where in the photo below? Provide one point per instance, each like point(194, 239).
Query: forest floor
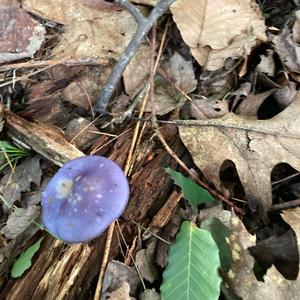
point(198, 102)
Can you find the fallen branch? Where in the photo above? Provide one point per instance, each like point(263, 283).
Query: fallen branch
point(144, 25)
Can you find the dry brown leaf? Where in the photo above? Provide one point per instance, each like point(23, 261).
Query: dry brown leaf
point(296, 28)
point(176, 79)
point(231, 28)
point(145, 2)
point(287, 49)
point(121, 293)
point(65, 11)
point(20, 179)
point(116, 273)
point(241, 279)
point(21, 35)
point(94, 29)
point(285, 95)
point(204, 108)
point(267, 64)
point(104, 37)
point(254, 146)
point(182, 73)
point(137, 71)
point(251, 104)
point(19, 220)
point(292, 217)
point(166, 97)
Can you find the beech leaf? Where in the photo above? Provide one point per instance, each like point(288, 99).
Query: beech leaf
point(192, 271)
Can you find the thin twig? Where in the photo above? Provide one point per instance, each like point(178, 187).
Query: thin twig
point(109, 238)
point(200, 182)
point(286, 205)
point(152, 75)
point(144, 25)
point(131, 255)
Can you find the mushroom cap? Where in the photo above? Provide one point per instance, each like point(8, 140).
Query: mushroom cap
point(83, 198)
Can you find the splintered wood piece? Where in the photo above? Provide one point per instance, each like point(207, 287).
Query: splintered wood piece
point(42, 138)
point(164, 215)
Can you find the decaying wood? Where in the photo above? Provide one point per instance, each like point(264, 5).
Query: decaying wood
point(83, 61)
point(46, 140)
point(164, 215)
point(60, 272)
point(49, 110)
point(68, 272)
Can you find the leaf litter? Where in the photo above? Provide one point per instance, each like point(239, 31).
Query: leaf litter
point(237, 77)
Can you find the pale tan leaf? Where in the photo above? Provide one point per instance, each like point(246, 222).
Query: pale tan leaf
point(241, 279)
point(93, 28)
point(296, 28)
point(105, 36)
point(145, 2)
point(137, 71)
point(230, 28)
point(254, 146)
point(292, 217)
point(65, 11)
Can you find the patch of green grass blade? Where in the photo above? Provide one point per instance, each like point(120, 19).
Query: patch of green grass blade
point(10, 154)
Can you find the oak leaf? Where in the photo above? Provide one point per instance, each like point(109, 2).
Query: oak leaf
point(254, 146)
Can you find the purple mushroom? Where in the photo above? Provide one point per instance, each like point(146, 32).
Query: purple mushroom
point(83, 198)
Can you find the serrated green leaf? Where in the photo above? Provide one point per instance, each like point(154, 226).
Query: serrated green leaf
point(192, 192)
point(192, 271)
point(23, 262)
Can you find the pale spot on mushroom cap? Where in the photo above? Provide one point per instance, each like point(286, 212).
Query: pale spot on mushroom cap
point(64, 188)
point(85, 211)
point(50, 200)
point(75, 210)
point(101, 165)
point(99, 196)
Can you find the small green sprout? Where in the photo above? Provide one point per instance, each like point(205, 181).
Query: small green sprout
point(10, 153)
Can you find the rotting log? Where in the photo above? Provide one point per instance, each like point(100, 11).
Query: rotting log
point(67, 272)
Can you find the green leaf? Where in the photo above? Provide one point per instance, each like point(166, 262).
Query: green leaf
point(219, 233)
point(192, 271)
point(192, 192)
point(23, 262)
